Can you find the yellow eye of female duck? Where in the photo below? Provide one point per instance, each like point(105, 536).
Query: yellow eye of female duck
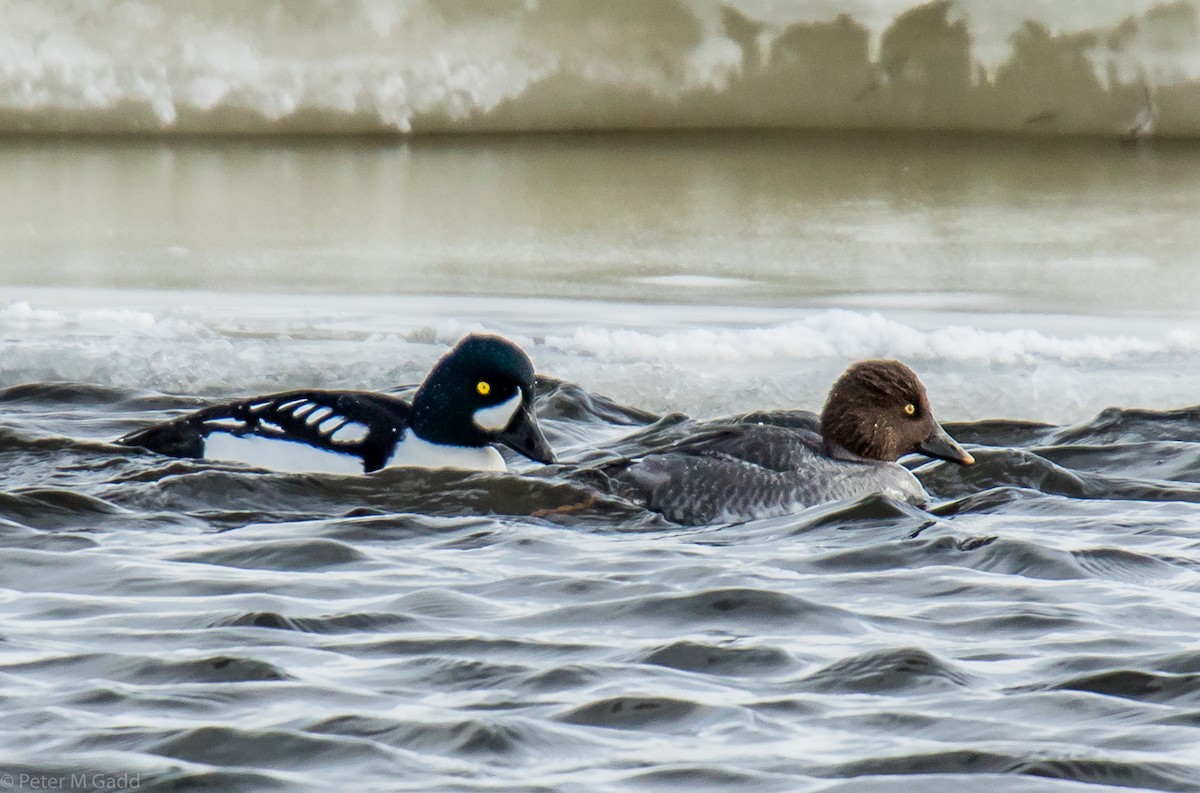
point(483, 387)
point(910, 408)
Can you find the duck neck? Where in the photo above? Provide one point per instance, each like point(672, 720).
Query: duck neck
point(840, 452)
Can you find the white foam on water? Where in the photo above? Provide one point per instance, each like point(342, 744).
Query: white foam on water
point(971, 372)
point(21, 314)
point(699, 360)
point(853, 334)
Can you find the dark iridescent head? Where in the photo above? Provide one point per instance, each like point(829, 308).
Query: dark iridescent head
point(879, 410)
point(481, 392)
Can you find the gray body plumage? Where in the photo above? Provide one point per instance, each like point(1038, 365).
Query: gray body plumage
point(741, 472)
point(876, 412)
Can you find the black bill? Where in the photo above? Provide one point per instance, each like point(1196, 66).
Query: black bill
point(524, 436)
point(943, 447)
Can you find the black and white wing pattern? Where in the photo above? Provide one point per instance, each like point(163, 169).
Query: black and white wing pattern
point(365, 425)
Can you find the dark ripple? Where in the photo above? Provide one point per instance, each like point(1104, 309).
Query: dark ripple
point(896, 555)
point(1114, 773)
point(1159, 460)
point(1017, 557)
point(900, 670)
point(446, 604)
point(58, 509)
point(720, 660)
point(561, 678)
point(737, 609)
point(447, 673)
point(558, 400)
point(702, 777)
point(1021, 621)
point(314, 554)
point(14, 442)
point(943, 783)
point(1001, 432)
point(224, 781)
point(592, 465)
point(506, 740)
point(1118, 564)
point(995, 499)
point(119, 698)
point(1031, 560)
point(140, 669)
point(369, 525)
point(1182, 663)
point(227, 746)
point(962, 761)
point(14, 535)
point(334, 623)
point(1180, 719)
point(662, 714)
point(1152, 776)
point(1026, 469)
point(1137, 685)
point(937, 726)
point(213, 490)
point(461, 646)
point(874, 509)
point(570, 415)
point(63, 393)
point(1124, 425)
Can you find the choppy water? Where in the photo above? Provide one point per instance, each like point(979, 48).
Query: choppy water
point(202, 626)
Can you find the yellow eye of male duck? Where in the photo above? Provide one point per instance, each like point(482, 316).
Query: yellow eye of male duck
point(910, 408)
point(483, 387)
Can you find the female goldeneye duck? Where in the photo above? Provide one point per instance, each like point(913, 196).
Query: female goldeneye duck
point(876, 413)
point(479, 394)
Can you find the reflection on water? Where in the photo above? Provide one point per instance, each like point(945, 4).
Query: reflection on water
point(754, 218)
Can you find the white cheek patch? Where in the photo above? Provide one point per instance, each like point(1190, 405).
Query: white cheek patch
point(352, 432)
point(496, 417)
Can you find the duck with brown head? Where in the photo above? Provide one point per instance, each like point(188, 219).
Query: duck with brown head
point(878, 410)
point(876, 413)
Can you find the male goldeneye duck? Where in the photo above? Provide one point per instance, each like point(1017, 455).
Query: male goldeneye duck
point(479, 394)
point(876, 412)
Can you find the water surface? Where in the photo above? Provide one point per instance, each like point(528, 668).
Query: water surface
point(204, 626)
